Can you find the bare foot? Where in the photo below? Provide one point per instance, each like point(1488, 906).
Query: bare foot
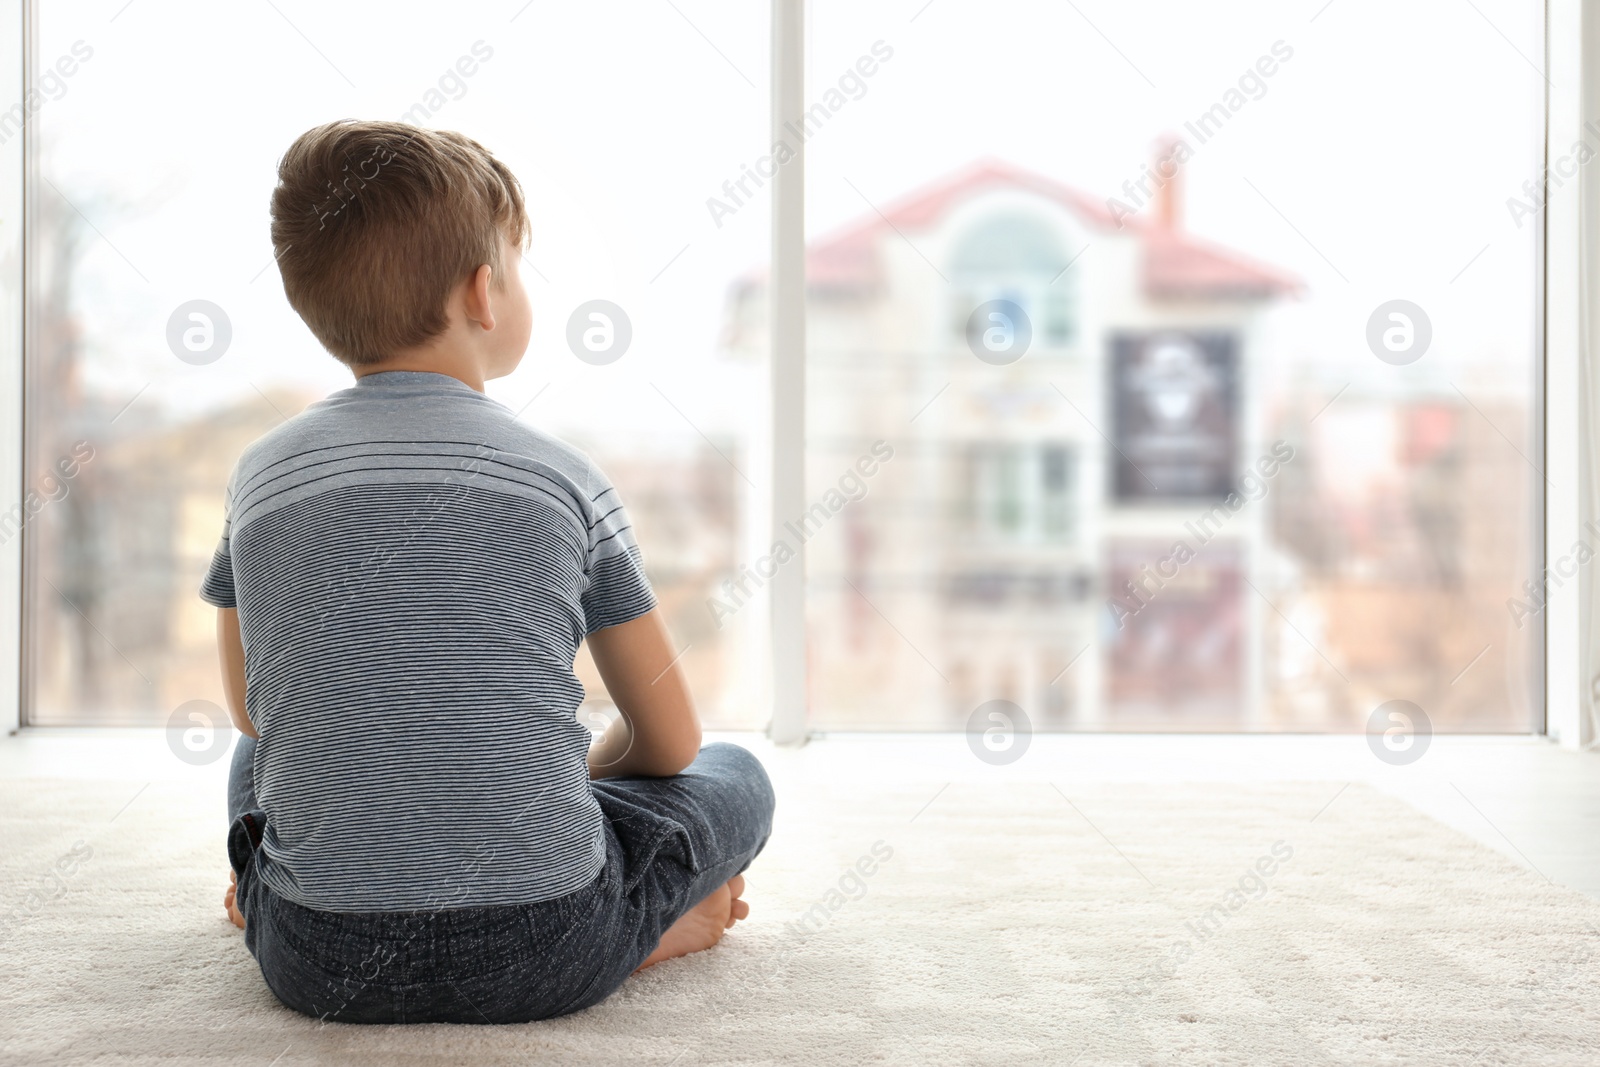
point(704, 925)
point(234, 914)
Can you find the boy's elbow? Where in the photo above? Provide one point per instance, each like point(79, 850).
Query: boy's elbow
point(692, 751)
point(676, 758)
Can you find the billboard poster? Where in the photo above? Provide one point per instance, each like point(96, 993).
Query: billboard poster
point(1175, 411)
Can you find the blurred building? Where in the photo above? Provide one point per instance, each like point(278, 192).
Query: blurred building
point(1395, 553)
point(684, 502)
point(1023, 493)
point(119, 632)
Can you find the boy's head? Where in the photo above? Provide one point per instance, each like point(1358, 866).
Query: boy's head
point(377, 226)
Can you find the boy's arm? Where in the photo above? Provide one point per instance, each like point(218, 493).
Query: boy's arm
point(230, 648)
point(658, 733)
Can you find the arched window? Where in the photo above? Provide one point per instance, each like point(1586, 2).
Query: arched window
point(1019, 257)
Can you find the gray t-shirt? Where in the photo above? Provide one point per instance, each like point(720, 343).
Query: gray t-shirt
point(414, 571)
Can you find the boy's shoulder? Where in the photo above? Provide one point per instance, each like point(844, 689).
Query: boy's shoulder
point(349, 421)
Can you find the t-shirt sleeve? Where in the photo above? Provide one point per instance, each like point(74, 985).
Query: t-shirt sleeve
point(617, 590)
point(217, 587)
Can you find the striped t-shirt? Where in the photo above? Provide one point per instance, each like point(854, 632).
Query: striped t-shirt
point(414, 571)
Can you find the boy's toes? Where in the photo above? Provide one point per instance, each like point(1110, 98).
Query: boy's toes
point(737, 909)
point(229, 898)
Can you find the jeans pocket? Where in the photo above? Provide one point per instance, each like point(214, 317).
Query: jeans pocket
point(645, 836)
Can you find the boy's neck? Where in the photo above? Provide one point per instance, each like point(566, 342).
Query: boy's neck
point(460, 366)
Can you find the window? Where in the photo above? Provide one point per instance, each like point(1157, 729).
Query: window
point(1019, 494)
point(157, 156)
point(1019, 259)
point(1240, 414)
point(1137, 393)
point(1056, 477)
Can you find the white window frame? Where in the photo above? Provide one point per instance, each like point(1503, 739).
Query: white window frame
point(787, 308)
point(1571, 239)
point(1568, 336)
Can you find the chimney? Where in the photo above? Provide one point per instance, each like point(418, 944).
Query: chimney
point(1169, 183)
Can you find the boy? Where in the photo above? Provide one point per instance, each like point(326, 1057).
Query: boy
point(403, 580)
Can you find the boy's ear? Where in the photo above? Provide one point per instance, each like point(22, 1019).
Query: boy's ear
point(479, 308)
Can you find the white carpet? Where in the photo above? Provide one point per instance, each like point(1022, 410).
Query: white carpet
point(1014, 924)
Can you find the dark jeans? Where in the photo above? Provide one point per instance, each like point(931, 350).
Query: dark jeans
point(669, 843)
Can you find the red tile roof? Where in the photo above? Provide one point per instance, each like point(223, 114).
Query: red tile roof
point(1176, 265)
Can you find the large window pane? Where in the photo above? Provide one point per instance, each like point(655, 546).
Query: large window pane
point(158, 154)
point(1324, 304)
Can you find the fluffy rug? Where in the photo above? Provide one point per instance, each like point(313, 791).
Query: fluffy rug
point(1021, 923)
